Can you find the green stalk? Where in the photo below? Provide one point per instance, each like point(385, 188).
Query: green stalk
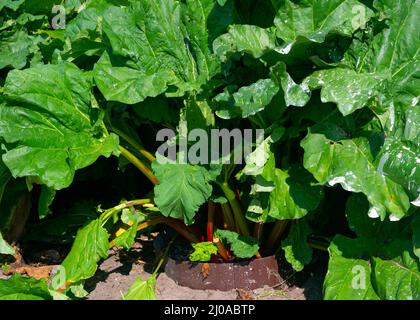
point(163, 257)
point(134, 144)
point(227, 216)
point(110, 212)
point(139, 165)
point(236, 208)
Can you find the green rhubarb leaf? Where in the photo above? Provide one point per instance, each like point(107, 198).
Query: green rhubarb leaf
point(295, 246)
point(256, 161)
point(62, 132)
point(127, 238)
point(182, 190)
point(383, 73)
point(248, 39)
point(294, 94)
point(314, 20)
point(91, 244)
point(242, 246)
point(15, 49)
point(247, 101)
point(19, 287)
point(142, 289)
point(11, 4)
point(350, 163)
point(293, 194)
point(347, 88)
point(149, 50)
point(348, 277)
point(203, 251)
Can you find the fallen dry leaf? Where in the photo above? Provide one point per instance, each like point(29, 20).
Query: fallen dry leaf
point(244, 295)
point(205, 270)
point(35, 272)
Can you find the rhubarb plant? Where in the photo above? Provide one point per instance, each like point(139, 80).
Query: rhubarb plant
point(333, 85)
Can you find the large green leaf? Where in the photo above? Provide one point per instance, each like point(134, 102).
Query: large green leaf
point(91, 244)
point(248, 39)
point(182, 190)
point(62, 131)
point(15, 49)
point(157, 44)
point(19, 287)
point(347, 88)
point(280, 194)
point(348, 278)
point(385, 73)
point(247, 101)
point(350, 163)
point(293, 194)
point(315, 19)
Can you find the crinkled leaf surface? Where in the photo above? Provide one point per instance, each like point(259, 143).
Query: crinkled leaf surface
point(347, 278)
point(203, 251)
point(293, 195)
point(396, 281)
point(242, 246)
point(383, 74)
point(91, 244)
point(315, 19)
point(15, 49)
point(156, 44)
point(248, 39)
point(294, 94)
point(19, 287)
point(351, 164)
point(247, 101)
point(182, 190)
point(62, 131)
point(400, 160)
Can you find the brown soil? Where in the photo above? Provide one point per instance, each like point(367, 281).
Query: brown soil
point(116, 274)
